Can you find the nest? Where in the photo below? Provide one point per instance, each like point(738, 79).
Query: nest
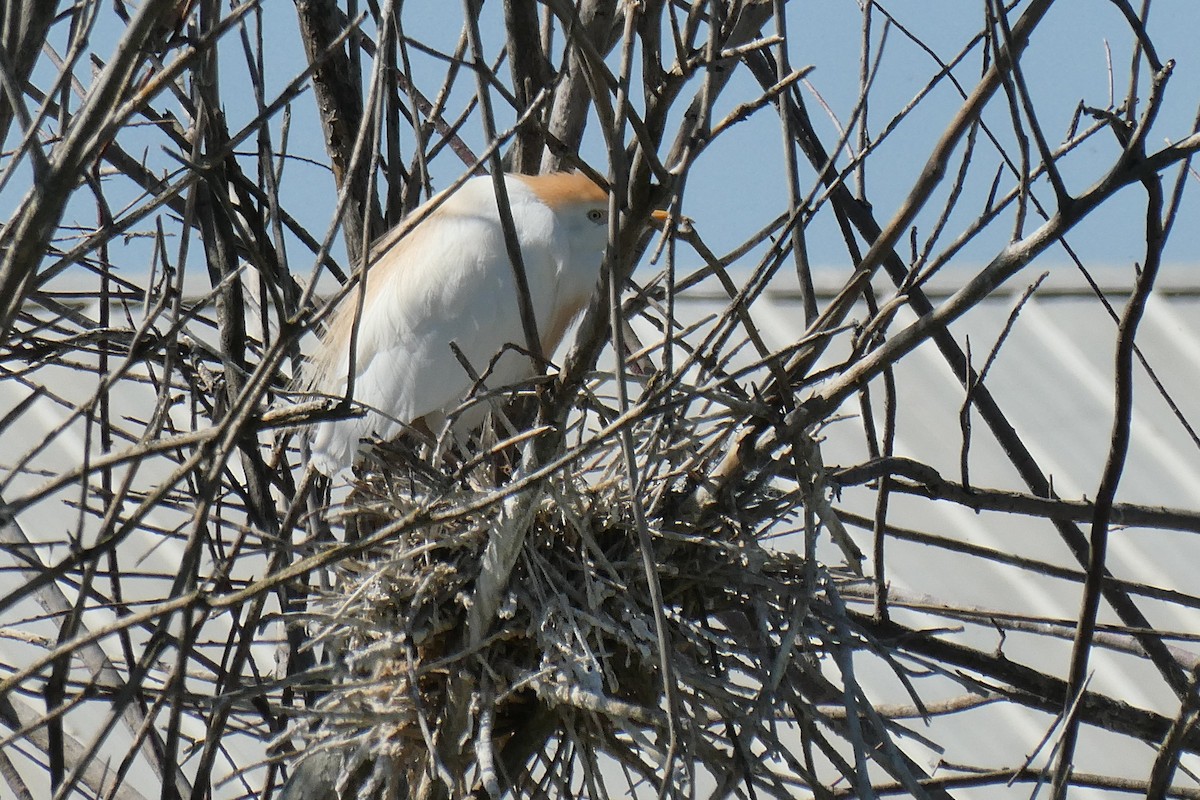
point(562, 690)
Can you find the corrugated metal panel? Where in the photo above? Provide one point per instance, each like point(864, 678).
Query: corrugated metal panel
point(1053, 377)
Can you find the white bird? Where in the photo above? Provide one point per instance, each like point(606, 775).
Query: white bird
point(450, 280)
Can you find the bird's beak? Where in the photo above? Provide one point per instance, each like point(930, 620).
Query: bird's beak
point(660, 217)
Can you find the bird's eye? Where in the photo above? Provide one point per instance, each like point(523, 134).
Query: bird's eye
point(596, 215)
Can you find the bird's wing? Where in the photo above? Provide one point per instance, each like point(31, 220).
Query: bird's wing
point(449, 280)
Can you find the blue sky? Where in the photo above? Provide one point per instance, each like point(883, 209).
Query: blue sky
point(739, 182)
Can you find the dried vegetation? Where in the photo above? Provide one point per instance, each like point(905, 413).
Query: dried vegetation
point(650, 584)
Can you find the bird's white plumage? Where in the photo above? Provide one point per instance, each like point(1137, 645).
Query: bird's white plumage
point(450, 279)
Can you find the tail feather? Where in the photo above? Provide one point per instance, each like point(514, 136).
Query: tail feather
point(332, 446)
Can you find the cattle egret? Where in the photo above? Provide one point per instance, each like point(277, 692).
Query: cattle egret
point(450, 280)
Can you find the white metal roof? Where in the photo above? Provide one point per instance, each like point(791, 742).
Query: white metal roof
point(1053, 378)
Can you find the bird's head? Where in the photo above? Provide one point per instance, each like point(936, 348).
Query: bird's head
point(579, 205)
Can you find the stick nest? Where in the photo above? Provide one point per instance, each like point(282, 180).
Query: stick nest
point(572, 657)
